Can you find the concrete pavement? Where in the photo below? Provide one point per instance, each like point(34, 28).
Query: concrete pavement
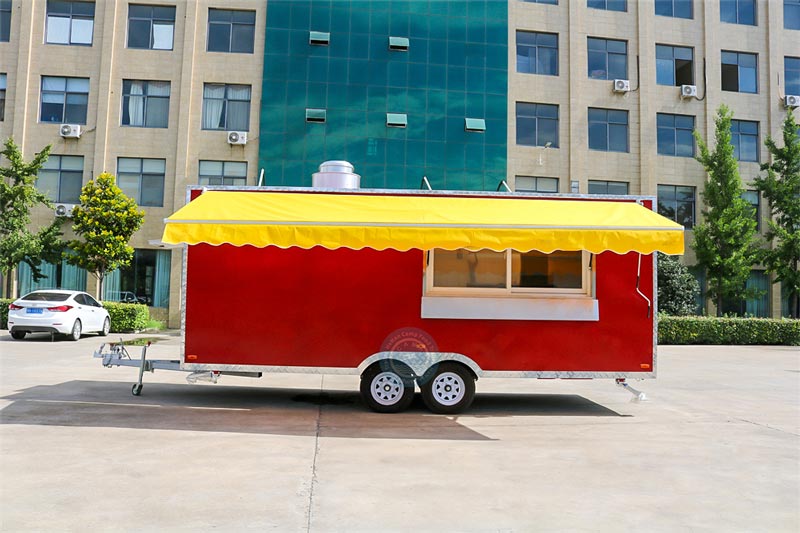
point(716, 448)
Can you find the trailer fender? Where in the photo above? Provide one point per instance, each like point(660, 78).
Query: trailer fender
point(420, 362)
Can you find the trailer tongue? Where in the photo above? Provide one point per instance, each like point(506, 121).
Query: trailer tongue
point(417, 288)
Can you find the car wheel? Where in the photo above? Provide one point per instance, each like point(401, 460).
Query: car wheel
point(75, 334)
point(106, 327)
point(387, 389)
point(449, 389)
point(18, 335)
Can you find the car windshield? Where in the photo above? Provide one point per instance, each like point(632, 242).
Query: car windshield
point(46, 297)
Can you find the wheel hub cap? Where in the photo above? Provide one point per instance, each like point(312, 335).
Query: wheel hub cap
point(387, 388)
point(448, 388)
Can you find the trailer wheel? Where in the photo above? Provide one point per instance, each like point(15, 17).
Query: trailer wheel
point(387, 388)
point(448, 389)
point(136, 390)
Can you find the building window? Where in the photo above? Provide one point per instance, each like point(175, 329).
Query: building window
point(608, 59)
point(64, 100)
point(675, 134)
point(738, 11)
point(744, 138)
point(223, 173)
point(145, 280)
point(754, 199)
point(226, 107)
point(476, 271)
point(608, 187)
point(69, 22)
point(608, 130)
point(145, 104)
point(551, 2)
point(537, 124)
point(677, 203)
point(151, 27)
point(791, 73)
point(608, 5)
point(61, 178)
point(674, 8)
point(739, 72)
point(3, 84)
point(535, 184)
point(674, 65)
point(755, 306)
point(142, 179)
point(537, 53)
point(791, 14)
point(5, 20)
point(231, 31)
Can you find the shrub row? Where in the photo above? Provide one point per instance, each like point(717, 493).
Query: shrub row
point(127, 317)
point(124, 317)
point(734, 331)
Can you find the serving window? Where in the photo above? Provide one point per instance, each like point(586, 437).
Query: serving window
point(509, 285)
point(495, 273)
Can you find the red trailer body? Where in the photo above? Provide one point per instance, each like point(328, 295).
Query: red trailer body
point(306, 287)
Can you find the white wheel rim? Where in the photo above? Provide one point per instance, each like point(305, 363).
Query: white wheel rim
point(387, 388)
point(106, 326)
point(448, 388)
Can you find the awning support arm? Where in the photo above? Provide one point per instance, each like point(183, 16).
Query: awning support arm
point(503, 184)
point(425, 184)
point(638, 278)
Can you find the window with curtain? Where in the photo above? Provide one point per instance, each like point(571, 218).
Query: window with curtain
point(145, 104)
point(64, 100)
point(142, 179)
point(535, 184)
point(756, 305)
point(3, 84)
point(608, 187)
point(146, 280)
point(61, 178)
point(226, 107)
point(69, 22)
point(223, 173)
point(60, 275)
point(151, 27)
point(231, 31)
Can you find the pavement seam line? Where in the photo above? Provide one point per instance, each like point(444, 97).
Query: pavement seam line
point(310, 511)
point(768, 427)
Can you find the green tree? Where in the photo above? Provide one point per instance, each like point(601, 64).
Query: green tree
point(105, 221)
point(677, 287)
point(725, 240)
point(781, 189)
point(18, 195)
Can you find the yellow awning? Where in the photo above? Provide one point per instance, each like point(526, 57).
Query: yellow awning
point(393, 221)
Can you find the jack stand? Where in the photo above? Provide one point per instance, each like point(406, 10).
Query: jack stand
point(638, 396)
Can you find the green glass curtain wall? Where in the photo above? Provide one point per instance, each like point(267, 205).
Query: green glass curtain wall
point(455, 67)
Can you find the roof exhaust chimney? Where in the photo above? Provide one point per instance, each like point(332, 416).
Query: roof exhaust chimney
point(336, 175)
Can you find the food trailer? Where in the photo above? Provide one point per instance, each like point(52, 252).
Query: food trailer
point(428, 289)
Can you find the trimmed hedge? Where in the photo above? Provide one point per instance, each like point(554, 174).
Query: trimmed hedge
point(124, 317)
point(127, 317)
point(733, 331)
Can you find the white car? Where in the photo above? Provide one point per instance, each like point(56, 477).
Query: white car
point(57, 311)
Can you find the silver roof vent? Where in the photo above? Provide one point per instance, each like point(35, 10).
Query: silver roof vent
point(336, 175)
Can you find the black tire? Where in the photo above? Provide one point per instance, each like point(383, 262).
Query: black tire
point(18, 335)
point(387, 388)
point(449, 388)
point(106, 327)
point(136, 390)
point(75, 334)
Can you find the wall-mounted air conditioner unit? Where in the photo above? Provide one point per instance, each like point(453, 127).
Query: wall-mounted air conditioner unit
point(71, 131)
point(64, 210)
point(622, 86)
point(237, 137)
point(791, 100)
point(688, 91)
